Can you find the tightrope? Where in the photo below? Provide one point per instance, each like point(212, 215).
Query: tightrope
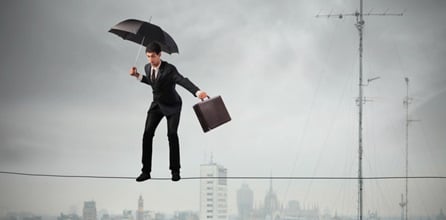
point(227, 177)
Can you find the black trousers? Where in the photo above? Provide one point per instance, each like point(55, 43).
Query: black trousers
point(153, 119)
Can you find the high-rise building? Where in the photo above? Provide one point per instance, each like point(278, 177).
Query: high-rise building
point(245, 202)
point(89, 212)
point(213, 192)
point(140, 212)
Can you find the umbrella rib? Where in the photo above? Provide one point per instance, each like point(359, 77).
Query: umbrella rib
point(139, 50)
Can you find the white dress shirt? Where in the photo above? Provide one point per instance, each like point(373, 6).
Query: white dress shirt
point(157, 68)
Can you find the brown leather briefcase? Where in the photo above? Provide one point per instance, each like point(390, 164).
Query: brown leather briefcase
point(211, 113)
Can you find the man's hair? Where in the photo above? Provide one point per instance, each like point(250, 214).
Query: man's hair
point(153, 47)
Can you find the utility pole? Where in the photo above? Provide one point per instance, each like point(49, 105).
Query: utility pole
point(360, 100)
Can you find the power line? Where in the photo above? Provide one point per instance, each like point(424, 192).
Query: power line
point(228, 177)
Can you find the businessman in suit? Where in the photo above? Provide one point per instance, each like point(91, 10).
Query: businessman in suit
point(162, 77)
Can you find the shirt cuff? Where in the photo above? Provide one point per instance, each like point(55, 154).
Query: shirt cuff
point(140, 77)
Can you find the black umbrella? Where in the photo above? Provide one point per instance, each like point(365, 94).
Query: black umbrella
point(144, 33)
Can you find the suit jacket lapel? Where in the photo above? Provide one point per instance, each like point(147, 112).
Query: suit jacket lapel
point(160, 72)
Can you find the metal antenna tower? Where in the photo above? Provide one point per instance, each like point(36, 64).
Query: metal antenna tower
point(407, 102)
point(402, 204)
point(360, 101)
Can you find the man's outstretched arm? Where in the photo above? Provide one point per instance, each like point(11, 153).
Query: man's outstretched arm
point(191, 87)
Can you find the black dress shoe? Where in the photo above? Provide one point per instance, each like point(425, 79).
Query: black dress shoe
point(176, 176)
point(143, 177)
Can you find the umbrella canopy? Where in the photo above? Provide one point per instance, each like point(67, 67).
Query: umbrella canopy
point(143, 33)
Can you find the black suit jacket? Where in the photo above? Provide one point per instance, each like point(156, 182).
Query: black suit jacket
point(164, 94)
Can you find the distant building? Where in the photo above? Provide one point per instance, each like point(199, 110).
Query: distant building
point(441, 216)
point(292, 211)
point(127, 215)
point(20, 216)
point(140, 212)
point(9, 217)
point(32, 218)
point(213, 192)
point(373, 215)
point(271, 209)
point(160, 216)
point(245, 202)
point(105, 217)
point(89, 211)
point(186, 216)
point(295, 212)
point(147, 215)
point(68, 217)
point(271, 205)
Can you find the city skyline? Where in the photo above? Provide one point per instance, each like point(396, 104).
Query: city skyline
point(215, 173)
point(90, 212)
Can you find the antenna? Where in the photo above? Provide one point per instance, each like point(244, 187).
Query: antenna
point(372, 79)
point(402, 204)
point(360, 101)
point(407, 101)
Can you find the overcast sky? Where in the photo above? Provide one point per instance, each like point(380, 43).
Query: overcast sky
point(289, 80)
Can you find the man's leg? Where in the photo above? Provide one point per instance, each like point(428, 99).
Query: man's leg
point(153, 119)
point(174, 145)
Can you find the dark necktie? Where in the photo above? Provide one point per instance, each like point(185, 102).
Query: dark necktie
point(152, 77)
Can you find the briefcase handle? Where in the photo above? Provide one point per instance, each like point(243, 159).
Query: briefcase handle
point(207, 97)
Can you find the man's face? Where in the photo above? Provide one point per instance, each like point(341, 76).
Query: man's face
point(154, 58)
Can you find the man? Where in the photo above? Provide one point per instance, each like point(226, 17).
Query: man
point(163, 77)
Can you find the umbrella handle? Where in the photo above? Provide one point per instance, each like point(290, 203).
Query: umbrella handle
point(139, 51)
